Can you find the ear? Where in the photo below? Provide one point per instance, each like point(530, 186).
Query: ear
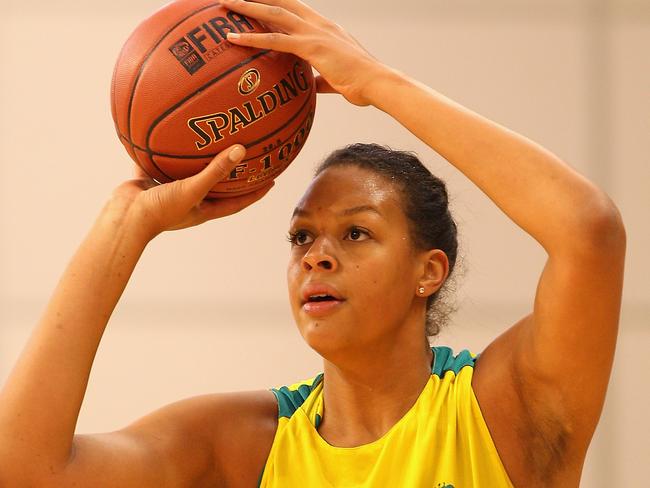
point(435, 270)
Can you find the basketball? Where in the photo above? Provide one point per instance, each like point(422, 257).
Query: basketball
point(181, 93)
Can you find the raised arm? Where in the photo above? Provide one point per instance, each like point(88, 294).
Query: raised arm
point(41, 399)
point(551, 369)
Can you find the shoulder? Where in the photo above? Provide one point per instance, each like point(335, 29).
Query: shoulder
point(243, 436)
point(236, 429)
point(242, 444)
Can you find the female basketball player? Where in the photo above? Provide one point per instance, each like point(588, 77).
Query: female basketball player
point(367, 256)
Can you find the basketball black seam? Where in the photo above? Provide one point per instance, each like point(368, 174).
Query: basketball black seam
point(286, 165)
point(293, 117)
point(198, 90)
point(208, 155)
point(250, 144)
point(151, 153)
point(146, 59)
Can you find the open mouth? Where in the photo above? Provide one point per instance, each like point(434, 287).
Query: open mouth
point(321, 298)
point(322, 304)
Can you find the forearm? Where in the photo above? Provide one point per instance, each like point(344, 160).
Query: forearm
point(40, 402)
point(537, 190)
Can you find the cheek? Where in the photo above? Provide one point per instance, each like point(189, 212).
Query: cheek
point(386, 280)
point(293, 272)
point(370, 282)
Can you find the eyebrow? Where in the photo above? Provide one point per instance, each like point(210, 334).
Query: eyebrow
point(301, 212)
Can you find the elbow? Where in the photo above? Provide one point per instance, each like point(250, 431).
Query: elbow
point(601, 228)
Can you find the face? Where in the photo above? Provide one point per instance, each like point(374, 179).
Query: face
point(352, 272)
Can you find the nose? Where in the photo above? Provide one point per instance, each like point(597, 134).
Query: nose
point(319, 257)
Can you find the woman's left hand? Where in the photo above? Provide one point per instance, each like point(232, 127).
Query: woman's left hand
point(344, 66)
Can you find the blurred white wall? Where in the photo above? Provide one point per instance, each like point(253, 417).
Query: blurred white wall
point(206, 309)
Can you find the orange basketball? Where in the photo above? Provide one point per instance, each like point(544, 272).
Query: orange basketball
point(181, 93)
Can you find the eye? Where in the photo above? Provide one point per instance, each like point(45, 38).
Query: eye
point(299, 238)
point(357, 234)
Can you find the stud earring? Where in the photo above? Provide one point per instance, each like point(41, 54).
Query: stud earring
point(421, 290)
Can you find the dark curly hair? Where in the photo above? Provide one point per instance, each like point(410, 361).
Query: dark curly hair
point(425, 203)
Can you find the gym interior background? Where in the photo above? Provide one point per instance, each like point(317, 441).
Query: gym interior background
point(206, 309)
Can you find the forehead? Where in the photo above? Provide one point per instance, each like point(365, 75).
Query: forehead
point(343, 187)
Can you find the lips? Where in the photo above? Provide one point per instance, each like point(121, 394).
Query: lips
point(319, 293)
point(320, 300)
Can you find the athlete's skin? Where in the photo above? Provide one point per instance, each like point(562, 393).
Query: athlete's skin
point(541, 384)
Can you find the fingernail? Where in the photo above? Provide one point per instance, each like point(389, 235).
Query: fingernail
point(233, 35)
point(236, 154)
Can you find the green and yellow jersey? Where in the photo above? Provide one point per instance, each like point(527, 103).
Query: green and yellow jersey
point(441, 442)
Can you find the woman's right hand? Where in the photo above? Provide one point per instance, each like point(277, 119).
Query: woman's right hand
point(38, 446)
point(183, 203)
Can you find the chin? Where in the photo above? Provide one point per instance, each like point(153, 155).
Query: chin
point(324, 337)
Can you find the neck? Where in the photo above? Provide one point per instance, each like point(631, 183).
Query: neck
point(366, 393)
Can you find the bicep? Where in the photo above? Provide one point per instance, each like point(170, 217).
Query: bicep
point(569, 340)
point(161, 449)
point(542, 383)
point(561, 355)
point(117, 459)
point(187, 443)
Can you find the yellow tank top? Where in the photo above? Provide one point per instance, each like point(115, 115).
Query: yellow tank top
point(441, 442)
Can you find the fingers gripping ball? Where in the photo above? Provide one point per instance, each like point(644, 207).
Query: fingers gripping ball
point(181, 93)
